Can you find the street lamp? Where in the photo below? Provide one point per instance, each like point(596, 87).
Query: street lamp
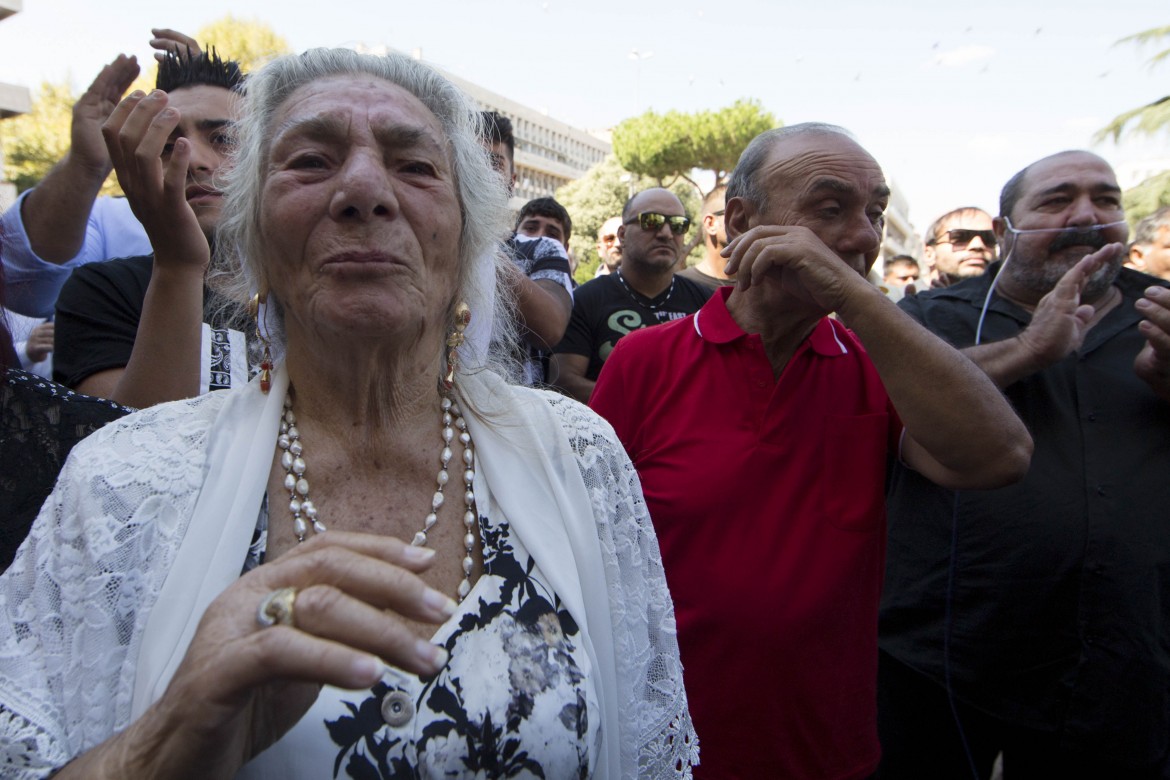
point(637, 57)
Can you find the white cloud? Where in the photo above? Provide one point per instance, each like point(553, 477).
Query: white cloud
point(964, 55)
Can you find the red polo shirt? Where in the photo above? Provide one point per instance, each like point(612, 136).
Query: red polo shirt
point(767, 496)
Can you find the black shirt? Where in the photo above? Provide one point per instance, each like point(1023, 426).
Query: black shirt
point(98, 311)
point(1060, 607)
point(605, 309)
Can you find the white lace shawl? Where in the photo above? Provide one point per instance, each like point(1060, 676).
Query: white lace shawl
point(83, 650)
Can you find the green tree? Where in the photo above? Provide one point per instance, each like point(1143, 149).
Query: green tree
point(250, 42)
point(1147, 197)
point(672, 145)
point(1151, 118)
point(34, 142)
point(668, 148)
point(599, 195)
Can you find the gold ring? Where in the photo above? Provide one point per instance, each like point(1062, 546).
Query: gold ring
point(277, 608)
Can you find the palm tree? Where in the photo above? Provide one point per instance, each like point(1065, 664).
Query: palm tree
point(1151, 118)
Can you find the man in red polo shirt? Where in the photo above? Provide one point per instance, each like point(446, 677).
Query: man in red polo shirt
point(761, 430)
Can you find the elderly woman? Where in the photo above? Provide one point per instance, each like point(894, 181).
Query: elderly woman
point(461, 576)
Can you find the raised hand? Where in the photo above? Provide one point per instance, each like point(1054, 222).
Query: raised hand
point(93, 108)
point(173, 42)
point(136, 134)
point(1060, 321)
point(1153, 362)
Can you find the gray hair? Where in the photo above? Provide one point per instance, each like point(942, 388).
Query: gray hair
point(1147, 229)
point(744, 182)
point(480, 190)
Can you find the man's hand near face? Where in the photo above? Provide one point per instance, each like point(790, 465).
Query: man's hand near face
point(796, 259)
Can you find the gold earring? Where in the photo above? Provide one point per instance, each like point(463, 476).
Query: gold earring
point(266, 358)
point(454, 341)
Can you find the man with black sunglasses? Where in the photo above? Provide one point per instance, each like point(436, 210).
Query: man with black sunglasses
point(959, 244)
point(643, 291)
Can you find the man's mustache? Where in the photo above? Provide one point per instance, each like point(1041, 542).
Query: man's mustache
point(1093, 237)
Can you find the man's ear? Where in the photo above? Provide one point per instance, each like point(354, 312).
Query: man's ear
point(738, 217)
point(999, 225)
point(1137, 258)
point(709, 224)
point(621, 232)
point(1002, 236)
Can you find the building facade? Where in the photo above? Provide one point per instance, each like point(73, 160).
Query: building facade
point(14, 100)
point(549, 153)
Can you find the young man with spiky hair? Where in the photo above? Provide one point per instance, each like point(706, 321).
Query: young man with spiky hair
point(135, 329)
point(62, 223)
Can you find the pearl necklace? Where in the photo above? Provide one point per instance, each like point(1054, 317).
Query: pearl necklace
point(304, 512)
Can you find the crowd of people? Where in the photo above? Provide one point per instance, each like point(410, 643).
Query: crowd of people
point(776, 514)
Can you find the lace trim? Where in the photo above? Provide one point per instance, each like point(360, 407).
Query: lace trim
point(654, 708)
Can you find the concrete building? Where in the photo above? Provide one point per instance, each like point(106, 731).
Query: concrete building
point(14, 100)
point(900, 238)
point(549, 152)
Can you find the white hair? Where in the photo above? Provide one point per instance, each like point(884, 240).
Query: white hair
point(481, 193)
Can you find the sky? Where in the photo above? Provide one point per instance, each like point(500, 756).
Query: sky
point(950, 98)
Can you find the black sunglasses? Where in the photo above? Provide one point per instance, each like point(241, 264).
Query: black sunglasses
point(652, 221)
point(962, 237)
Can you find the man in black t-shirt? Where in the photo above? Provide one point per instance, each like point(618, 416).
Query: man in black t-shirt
point(644, 291)
point(98, 314)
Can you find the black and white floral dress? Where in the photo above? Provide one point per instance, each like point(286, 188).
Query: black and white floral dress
point(515, 699)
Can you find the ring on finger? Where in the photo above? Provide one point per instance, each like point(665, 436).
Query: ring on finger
point(277, 608)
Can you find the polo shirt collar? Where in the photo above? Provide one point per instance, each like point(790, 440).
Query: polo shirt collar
point(714, 323)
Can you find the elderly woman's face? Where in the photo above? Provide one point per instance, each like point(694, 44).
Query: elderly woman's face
point(360, 215)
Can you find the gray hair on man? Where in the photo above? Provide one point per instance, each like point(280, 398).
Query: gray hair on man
point(744, 181)
point(1147, 229)
point(481, 194)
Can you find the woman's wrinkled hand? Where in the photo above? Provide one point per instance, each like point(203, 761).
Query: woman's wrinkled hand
point(241, 685)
